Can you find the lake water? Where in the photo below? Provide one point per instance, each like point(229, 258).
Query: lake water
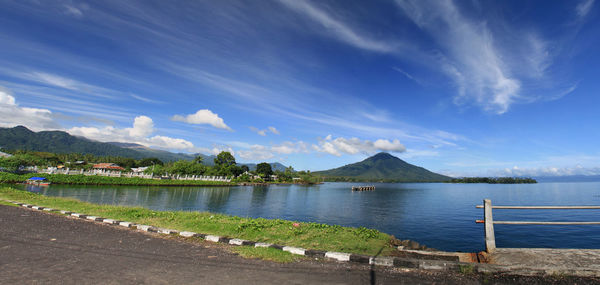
point(437, 215)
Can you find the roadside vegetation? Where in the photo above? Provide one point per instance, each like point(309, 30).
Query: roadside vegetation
point(494, 180)
point(266, 253)
point(282, 232)
point(223, 164)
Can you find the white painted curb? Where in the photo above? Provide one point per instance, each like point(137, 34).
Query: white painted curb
point(212, 238)
point(187, 234)
point(340, 256)
point(126, 224)
point(295, 250)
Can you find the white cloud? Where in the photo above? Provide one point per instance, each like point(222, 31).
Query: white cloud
point(259, 132)
point(169, 143)
point(11, 114)
point(143, 127)
point(256, 152)
point(75, 10)
point(264, 131)
point(288, 147)
point(355, 145)
point(203, 117)
point(583, 8)
point(273, 130)
point(54, 80)
point(470, 54)
point(547, 171)
point(338, 28)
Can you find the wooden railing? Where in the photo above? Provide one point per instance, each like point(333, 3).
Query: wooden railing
point(490, 239)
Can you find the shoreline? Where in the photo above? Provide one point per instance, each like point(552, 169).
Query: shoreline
point(276, 231)
point(64, 179)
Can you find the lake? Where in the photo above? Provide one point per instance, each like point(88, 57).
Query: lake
point(437, 215)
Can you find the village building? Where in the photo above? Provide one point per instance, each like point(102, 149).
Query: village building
point(108, 166)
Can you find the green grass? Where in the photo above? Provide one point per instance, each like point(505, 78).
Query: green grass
point(282, 232)
point(105, 180)
point(266, 253)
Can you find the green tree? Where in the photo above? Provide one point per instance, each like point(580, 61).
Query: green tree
point(149, 162)
point(264, 169)
point(184, 167)
point(236, 170)
point(198, 159)
point(224, 159)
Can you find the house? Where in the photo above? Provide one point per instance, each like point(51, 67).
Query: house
point(139, 169)
point(108, 166)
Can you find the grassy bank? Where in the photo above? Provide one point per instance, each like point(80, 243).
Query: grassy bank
point(282, 232)
point(104, 180)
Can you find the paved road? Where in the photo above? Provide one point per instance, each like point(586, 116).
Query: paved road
point(42, 248)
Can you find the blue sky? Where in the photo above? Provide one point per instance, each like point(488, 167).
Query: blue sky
point(458, 87)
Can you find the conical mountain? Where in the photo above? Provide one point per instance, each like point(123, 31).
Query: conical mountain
point(382, 167)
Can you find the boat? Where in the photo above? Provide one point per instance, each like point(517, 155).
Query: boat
point(37, 181)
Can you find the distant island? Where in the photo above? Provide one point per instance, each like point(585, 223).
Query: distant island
point(494, 180)
point(382, 167)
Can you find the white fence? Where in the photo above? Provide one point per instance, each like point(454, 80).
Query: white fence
point(111, 173)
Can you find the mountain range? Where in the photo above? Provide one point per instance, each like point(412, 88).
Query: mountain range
point(382, 167)
point(21, 138)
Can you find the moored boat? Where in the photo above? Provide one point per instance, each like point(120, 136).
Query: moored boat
point(38, 181)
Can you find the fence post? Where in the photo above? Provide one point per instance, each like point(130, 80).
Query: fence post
point(490, 239)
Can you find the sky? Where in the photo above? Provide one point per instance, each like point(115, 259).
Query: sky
point(463, 88)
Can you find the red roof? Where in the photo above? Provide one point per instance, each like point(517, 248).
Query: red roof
point(108, 166)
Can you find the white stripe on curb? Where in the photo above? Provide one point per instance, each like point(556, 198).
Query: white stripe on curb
point(340, 256)
point(382, 261)
point(187, 234)
point(146, 228)
point(295, 250)
point(236, 241)
point(212, 238)
point(126, 224)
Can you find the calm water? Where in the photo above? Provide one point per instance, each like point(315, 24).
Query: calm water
point(437, 215)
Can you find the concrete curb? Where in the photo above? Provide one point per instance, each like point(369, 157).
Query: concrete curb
point(439, 265)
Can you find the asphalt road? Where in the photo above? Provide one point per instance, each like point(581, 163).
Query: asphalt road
point(42, 248)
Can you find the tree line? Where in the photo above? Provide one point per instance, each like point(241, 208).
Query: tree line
point(494, 180)
point(224, 165)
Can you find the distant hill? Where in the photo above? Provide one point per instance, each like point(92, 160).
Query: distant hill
point(21, 138)
point(163, 154)
point(382, 167)
point(275, 166)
